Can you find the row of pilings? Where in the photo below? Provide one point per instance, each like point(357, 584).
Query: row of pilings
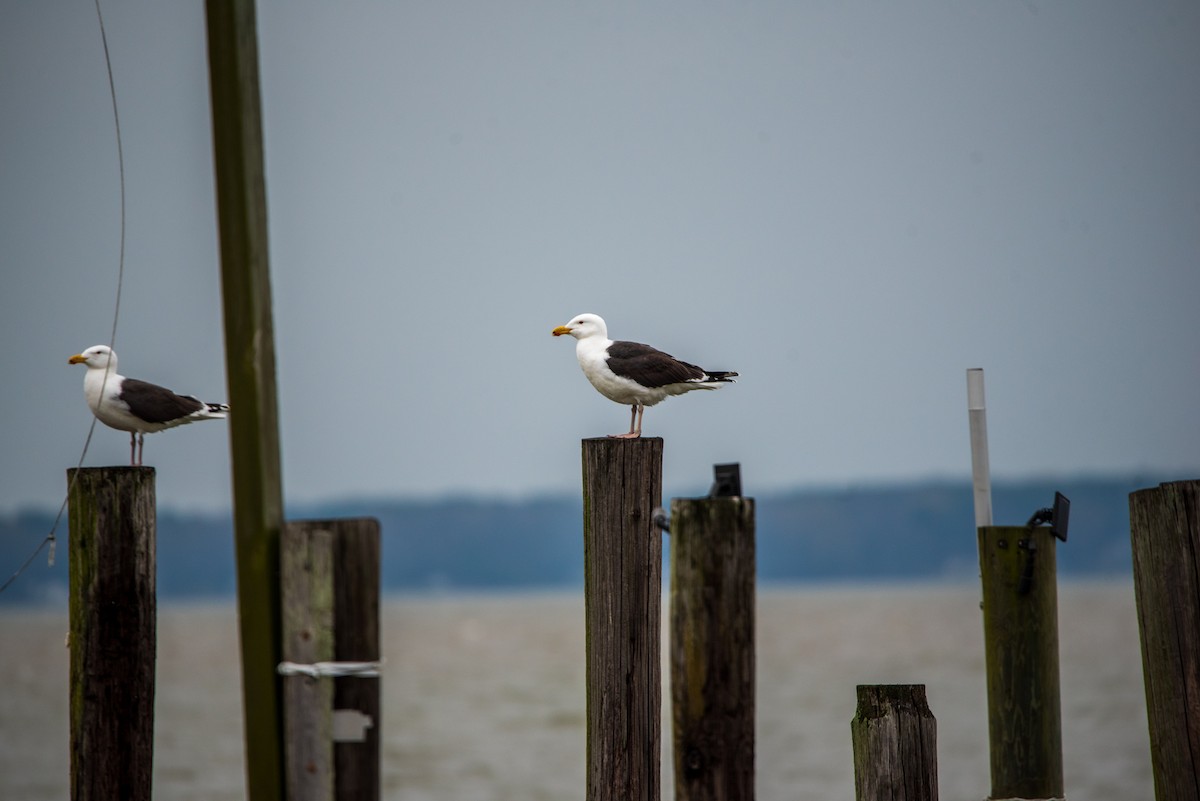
point(329, 679)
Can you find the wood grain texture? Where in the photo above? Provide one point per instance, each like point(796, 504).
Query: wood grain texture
point(356, 639)
point(895, 744)
point(306, 578)
point(712, 648)
point(331, 581)
point(1165, 535)
point(113, 614)
point(622, 485)
point(1021, 646)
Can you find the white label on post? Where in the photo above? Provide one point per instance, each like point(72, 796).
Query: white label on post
point(350, 726)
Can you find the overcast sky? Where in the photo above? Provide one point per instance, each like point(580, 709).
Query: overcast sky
point(848, 203)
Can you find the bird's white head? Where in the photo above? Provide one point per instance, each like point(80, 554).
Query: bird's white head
point(583, 326)
point(96, 357)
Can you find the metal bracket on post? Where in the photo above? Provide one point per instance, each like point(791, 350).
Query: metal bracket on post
point(727, 481)
point(1058, 517)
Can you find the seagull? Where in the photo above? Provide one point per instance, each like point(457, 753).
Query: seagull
point(138, 407)
point(632, 373)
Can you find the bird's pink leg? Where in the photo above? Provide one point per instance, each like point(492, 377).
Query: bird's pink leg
point(635, 424)
point(141, 445)
point(132, 448)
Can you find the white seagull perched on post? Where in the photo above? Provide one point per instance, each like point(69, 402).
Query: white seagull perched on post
point(138, 407)
point(632, 373)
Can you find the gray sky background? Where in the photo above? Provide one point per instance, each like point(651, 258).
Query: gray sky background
point(849, 203)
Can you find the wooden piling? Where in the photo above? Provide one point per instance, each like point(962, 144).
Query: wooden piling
point(895, 744)
point(1020, 628)
point(712, 648)
point(306, 578)
point(1165, 534)
point(112, 632)
point(356, 639)
point(250, 370)
point(622, 485)
point(330, 585)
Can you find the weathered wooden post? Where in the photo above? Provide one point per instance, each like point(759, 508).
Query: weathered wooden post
point(1165, 532)
point(330, 585)
point(1020, 628)
point(895, 744)
point(306, 579)
point(622, 485)
point(356, 698)
point(112, 625)
point(712, 647)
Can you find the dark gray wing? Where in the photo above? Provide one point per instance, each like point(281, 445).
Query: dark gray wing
point(649, 366)
point(156, 404)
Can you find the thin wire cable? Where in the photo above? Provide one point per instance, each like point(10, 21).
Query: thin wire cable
point(51, 538)
point(112, 91)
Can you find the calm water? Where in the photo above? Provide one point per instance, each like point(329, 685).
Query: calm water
point(484, 696)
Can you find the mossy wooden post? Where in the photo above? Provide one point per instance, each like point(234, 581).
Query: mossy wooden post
point(112, 632)
point(712, 648)
point(622, 485)
point(250, 371)
point(330, 576)
point(1020, 632)
point(895, 744)
point(1165, 533)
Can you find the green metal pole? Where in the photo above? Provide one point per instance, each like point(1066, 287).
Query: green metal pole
point(250, 371)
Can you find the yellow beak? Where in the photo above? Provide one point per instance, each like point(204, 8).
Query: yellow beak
point(562, 329)
point(78, 358)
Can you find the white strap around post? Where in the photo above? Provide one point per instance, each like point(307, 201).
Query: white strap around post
point(317, 670)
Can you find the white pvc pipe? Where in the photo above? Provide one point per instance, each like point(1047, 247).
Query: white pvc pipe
point(980, 472)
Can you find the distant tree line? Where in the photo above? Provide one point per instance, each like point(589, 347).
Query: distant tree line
point(910, 532)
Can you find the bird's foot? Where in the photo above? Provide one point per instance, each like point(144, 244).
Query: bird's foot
point(626, 435)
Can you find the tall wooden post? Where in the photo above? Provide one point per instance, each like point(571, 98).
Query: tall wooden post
point(1020, 629)
point(895, 744)
point(112, 624)
point(250, 370)
point(622, 485)
point(331, 614)
point(1165, 532)
point(712, 648)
